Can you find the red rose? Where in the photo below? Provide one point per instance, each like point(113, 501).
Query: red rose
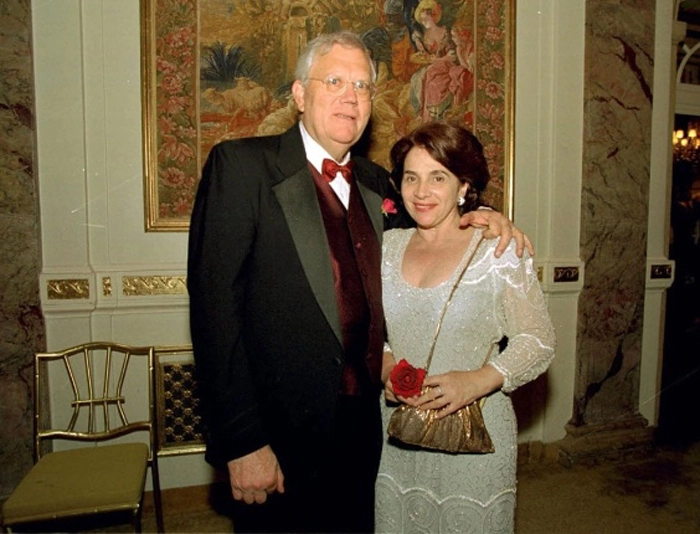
point(388, 206)
point(406, 379)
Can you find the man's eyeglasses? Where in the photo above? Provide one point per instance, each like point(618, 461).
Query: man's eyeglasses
point(336, 85)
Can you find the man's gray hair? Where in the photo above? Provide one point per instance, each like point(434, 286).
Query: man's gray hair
point(322, 45)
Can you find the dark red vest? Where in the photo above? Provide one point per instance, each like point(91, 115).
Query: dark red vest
point(356, 258)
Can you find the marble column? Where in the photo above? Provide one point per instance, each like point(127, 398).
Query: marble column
point(616, 170)
point(21, 322)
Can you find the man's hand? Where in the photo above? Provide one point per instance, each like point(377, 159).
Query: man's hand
point(255, 475)
point(498, 225)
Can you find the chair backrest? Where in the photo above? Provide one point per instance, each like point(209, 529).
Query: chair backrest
point(106, 389)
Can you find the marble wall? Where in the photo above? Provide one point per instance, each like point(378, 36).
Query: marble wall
point(615, 190)
point(21, 321)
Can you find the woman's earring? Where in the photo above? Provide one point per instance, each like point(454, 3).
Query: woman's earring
point(460, 201)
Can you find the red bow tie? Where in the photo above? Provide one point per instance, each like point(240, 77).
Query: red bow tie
point(331, 169)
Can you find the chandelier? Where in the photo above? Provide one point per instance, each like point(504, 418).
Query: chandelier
point(686, 146)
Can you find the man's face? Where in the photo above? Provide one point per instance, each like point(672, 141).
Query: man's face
point(336, 122)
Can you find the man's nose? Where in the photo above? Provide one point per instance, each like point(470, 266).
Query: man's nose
point(349, 93)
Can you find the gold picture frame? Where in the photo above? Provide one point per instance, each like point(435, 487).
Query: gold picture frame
point(221, 69)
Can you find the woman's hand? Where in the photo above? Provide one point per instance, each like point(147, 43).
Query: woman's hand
point(454, 390)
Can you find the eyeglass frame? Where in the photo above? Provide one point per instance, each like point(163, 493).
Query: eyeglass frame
point(345, 83)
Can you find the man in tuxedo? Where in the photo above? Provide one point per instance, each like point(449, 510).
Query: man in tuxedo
point(285, 305)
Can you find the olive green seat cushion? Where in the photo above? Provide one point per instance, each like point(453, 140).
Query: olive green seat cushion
point(79, 482)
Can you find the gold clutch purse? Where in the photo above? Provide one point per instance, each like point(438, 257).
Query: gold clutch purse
point(463, 431)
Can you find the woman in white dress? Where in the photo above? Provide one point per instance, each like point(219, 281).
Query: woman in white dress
point(441, 171)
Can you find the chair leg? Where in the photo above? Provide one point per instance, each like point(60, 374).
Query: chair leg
point(158, 505)
point(157, 501)
point(136, 519)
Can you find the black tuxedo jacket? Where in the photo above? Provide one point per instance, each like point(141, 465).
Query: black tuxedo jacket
point(263, 312)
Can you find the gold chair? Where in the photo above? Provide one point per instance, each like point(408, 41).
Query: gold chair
point(94, 379)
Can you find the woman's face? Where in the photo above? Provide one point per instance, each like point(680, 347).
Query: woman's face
point(427, 18)
point(429, 190)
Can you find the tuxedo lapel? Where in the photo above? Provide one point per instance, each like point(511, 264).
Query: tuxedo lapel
point(296, 195)
point(373, 204)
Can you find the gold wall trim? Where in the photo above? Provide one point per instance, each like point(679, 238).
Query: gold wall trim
point(139, 286)
point(107, 286)
point(68, 289)
point(566, 274)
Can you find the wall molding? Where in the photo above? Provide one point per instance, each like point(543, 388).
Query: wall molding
point(660, 273)
point(85, 291)
point(561, 276)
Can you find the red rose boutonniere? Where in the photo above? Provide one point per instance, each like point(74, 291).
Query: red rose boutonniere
point(406, 379)
point(388, 207)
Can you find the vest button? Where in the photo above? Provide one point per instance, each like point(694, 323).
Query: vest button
point(358, 245)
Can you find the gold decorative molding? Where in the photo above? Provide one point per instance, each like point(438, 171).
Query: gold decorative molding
point(68, 289)
point(139, 286)
point(663, 271)
point(566, 274)
point(107, 286)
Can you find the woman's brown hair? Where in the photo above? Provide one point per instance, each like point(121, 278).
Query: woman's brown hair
point(455, 148)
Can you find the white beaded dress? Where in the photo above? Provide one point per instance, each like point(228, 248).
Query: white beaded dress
point(421, 491)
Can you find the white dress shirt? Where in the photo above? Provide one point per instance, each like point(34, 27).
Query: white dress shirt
point(315, 154)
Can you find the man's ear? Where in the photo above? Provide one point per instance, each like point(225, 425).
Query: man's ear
point(298, 94)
